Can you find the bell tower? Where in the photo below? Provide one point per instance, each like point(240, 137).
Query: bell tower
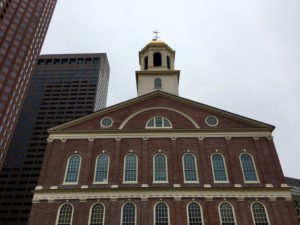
point(157, 69)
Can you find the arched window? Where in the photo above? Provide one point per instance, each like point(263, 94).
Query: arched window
point(194, 214)
point(128, 214)
point(248, 167)
point(259, 214)
point(158, 122)
point(156, 59)
point(219, 169)
point(160, 168)
point(72, 171)
point(130, 173)
point(226, 214)
point(65, 214)
point(168, 62)
point(189, 168)
point(157, 83)
point(146, 62)
point(97, 214)
point(101, 171)
point(161, 214)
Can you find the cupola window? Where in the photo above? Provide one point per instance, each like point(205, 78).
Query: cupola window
point(168, 62)
point(156, 59)
point(159, 122)
point(157, 83)
point(146, 62)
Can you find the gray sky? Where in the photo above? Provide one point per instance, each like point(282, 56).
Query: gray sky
point(240, 56)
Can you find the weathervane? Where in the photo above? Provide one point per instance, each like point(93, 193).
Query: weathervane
point(156, 35)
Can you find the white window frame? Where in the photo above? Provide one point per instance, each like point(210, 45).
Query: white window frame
point(167, 175)
point(233, 212)
point(254, 165)
point(137, 169)
point(212, 167)
point(58, 212)
point(154, 212)
point(90, 213)
point(135, 212)
point(99, 182)
point(66, 171)
point(187, 212)
point(266, 211)
point(196, 168)
point(155, 127)
point(157, 88)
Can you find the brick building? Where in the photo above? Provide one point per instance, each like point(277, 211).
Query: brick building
point(161, 159)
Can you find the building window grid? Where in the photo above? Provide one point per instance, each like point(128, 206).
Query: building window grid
point(97, 214)
point(128, 214)
point(248, 167)
point(161, 214)
point(189, 168)
point(194, 214)
point(259, 214)
point(226, 214)
point(65, 215)
point(160, 168)
point(158, 122)
point(157, 83)
point(101, 174)
point(130, 174)
point(219, 169)
point(73, 169)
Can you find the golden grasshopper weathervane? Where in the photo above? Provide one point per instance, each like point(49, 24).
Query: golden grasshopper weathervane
point(156, 35)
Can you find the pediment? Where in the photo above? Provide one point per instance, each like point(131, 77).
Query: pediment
point(184, 114)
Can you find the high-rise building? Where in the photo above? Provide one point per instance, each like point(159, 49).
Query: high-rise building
point(63, 87)
point(160, 159)
point(23, 26)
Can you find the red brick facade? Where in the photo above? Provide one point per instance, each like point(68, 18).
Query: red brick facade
point(232, 136)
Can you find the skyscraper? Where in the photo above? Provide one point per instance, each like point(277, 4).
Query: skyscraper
point(63, 87)
point(23, 26)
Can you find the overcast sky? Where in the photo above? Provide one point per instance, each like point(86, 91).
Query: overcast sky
point(240, 56)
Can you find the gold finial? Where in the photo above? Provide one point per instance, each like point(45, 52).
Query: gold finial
point(156, 35)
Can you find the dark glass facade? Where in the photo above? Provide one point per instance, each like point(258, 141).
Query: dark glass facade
point(23, 26)
point(63, 87)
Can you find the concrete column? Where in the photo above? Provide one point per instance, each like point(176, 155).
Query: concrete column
point(116, 161)
point(145, 172)
point(204, 164)
point(175, 163)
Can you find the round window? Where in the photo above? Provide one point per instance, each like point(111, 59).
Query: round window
point(211, 121)
point(106, 122)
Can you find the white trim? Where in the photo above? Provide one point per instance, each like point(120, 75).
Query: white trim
point(266, 211)
point(254, 165)
point(158, 107)
point(233, 212)
point(66, 170)
point(196, 168)
point(135, 211)
point(210, 124)
point(154, 212)
point(224, 161)
point(166, 134)
point(95, 170)
point(106, 117)
point(58, 212)
point(166, 164)
point(187, 212)
point(90, 212)
point(137, 169)
point(154, 123)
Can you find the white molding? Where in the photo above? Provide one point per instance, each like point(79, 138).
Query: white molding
point(158, 107)
point(61, 194)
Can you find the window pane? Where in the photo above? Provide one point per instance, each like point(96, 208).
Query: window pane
point(157, 83)
point(194, 213)
point(259, 214)
point(102, 169)
point(161, 214)
point(65, 215)
point(189, 167)
point(160, 168)
point(158, 121)
point(130, 168)
point(227, 217)
point(128, 214)
point(219, 168)
point(248, 168)
point(151, 123)
point(73, 169)
point(166, 123)
point(97, 214)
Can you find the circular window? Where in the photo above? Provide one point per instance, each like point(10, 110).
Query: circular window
point(211, 121)
point(106, 122)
